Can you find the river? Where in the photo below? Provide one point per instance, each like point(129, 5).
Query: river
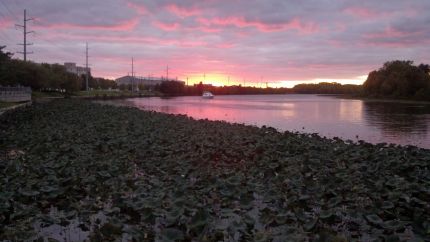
point(405, 123)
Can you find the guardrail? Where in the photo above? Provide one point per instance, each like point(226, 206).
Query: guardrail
point(15, 94)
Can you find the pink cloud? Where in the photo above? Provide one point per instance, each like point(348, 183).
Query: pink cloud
point(241, 22)
point(182, 12)
point(225, 45)
point(5, 23)
point(392, 37)
point(360, 12)
point(167, 26)
point(140, 8)
point(124, 26)
point(389, 32)
point(127, 39)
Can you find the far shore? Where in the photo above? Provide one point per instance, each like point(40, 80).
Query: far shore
point(111, 95)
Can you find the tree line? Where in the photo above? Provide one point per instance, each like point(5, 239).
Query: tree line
point(44, 76)
point(399, 79)
point(395, 79)
point(327, 88)
point(175, 88)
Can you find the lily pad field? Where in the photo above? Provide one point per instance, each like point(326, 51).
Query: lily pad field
point(73, 170)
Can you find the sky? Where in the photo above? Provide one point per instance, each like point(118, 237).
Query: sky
point(223, 42)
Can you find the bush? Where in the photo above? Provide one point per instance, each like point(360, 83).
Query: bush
point(399, 79)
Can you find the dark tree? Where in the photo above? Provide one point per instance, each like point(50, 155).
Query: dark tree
point(425, 68)
point(399, 79)
point(4, 56)
point(172, 88)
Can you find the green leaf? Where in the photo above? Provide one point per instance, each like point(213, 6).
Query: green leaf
point(28, 193)
point(325, 214)
point(374, 219)
point(310, 224)
point(171, 234)
point(393, 225)
point(199, 220)
point(387, 205)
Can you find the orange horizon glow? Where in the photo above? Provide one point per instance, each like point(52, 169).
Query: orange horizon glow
point(221, 79)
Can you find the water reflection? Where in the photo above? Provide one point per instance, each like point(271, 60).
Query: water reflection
point(398, 118)
point(390, 122)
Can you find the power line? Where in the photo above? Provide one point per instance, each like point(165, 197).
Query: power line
point(7, 15)
point(5, 36)
point(10, 12)
point(3, 15)
point(25, 32)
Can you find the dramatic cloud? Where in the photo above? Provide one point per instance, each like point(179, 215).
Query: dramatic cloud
point(281, 42)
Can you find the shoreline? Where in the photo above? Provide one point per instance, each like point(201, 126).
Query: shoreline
point(383, 99)
point(143, 95)
point(14, 106)
point(160, 176)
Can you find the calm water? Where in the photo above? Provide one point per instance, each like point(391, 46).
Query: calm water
point(372, 121)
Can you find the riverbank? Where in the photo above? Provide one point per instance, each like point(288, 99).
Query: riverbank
point(93, 95)
point(105, 172)
point(6, 106)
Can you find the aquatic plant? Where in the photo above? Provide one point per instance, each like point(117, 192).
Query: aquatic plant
point(74, 168)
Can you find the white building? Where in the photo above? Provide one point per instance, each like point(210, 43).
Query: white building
point(78, 70)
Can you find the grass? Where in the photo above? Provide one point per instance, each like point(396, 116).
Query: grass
point(37, 94)
point(116, 172)
point(7, 104)
point(107, 93)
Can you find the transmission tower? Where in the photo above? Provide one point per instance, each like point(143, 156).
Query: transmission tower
point(25, 32)
point(86, 66)
point(132, 74)
point(167, 72)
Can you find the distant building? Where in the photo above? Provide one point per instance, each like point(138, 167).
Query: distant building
point(78, 70)
point(145, 81)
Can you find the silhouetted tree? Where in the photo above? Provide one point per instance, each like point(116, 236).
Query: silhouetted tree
point(42, 76)
point(425, 68)
point(4, 56)
point(327, 88)
point(399, 79)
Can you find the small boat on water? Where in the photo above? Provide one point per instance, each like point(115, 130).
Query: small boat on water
point(207, 95)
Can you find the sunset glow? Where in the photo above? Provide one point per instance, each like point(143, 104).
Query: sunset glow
point(269, 43)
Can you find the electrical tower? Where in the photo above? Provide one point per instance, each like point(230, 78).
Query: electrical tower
point(25, 32)
point(167, 72)
point(132, 74)
point(86, 66)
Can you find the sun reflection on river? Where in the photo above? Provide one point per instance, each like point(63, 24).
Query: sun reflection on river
point(390, 122)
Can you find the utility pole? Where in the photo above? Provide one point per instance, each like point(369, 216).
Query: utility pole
point(86, 66)
point(25, 32)
point(132, 74)
point(187, 81)
point(167, 72)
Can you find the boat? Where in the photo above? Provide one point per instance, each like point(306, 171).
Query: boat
point(207, 95)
